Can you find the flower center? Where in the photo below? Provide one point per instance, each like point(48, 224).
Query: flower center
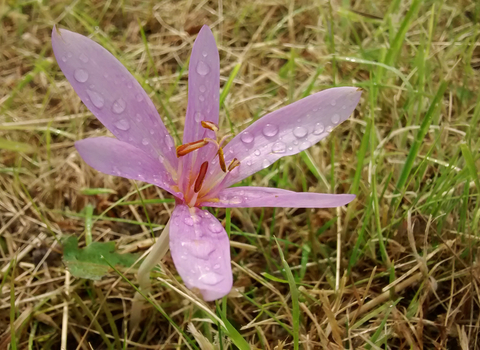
point(199, 184)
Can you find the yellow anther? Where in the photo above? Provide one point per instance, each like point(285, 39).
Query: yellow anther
point(210, 126)
point(190, 147)
point(221, 159)
point(233, 164)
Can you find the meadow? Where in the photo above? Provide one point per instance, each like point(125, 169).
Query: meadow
point(397, 268)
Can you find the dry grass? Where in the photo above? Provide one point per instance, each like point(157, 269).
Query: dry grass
point(406, 274)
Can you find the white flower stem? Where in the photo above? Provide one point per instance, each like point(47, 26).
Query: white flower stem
point(159, 249)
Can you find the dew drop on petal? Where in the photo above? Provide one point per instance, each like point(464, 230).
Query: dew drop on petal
point(265, 163)
point(139, 97)
point(198, 117)
point(329, 128)
point(64, 58)
point(216, 266)
point(69, 55)
point(249, 163)
point(257, 152)
point(83, 58)
point(319, 128)
point(96, 98)
point(333, 102)
point(122, 124)
point(169, 141)
point(270, 130)
point(204, 53)
point(236, 200)
point(279, 147)
point(210, 278)
point(145, 142)
point(246, 137)
point(118, 106)
point(80, 75)
point(295, 142)
point(201, 98)
point(304, 145)
point(299, 131)
point(202, 88)
point(188, 221)
point(138, 117)
point(202, 68)
point(215, 227)
point(335, 119)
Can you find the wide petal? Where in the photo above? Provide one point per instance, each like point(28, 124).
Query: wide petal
point(112, 94)
point(201, 251)
point(114, 157)
point(203, 102)
point(248, 197)
point(289, 130)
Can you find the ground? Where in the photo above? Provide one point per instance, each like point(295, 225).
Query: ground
point(397, 268)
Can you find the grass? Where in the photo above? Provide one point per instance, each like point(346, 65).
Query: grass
point(397, 268)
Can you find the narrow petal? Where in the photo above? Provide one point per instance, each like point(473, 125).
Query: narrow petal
point(203, 87)
point(203, 101)
point(113, 157)
point(248, 197)
point(112, 94)
point(289, 130)
point(201, 251)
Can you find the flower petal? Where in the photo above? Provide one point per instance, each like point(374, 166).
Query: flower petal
point(289, 130)
point(112, 94)
point(201, 251)
point(248, 197)
point(113, 157)
point(203, 87)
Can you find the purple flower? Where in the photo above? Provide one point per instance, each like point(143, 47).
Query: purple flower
point(198, 172)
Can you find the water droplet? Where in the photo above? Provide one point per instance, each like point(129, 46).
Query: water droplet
point(138, 117)
point(215, 227)
point(201, 98)
point(204, 53)
point(198, 117)
point(329, 128)
point(333, 102)
point(115, 170)
point(279, 147)
point(319, 128)
point(299, 131)
point(249, 163)
point(265, 163)
point(169, 141)
point(290, 148)
point(83, 58)
point(96, 98)
point(216, 266)
point(80, 75)
point(119, 106)
point(202, 88)
point(139, 97)
point(295, 142)
point(257, 152)
point(335, 119)
point(69, 55)
point(152, 132)
point(211, 278)
point(236, 200)
point(129, 85)
point(344, 107)
point(145, 142)
point(304, 145)
point(246, 137)
point(122, 124)
point(270, 130)
point(202, 68)
point(199, 249)
point(188, 221)
point(64, 58)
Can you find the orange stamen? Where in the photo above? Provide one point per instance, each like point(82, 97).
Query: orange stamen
point(200, 177)
point(221, 160)
point(210, 126)
point(190, 147)
point(233, 164)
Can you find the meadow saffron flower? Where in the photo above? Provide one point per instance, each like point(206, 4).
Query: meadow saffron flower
point(198, 172)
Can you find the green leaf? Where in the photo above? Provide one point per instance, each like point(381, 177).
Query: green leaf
point(89, 262)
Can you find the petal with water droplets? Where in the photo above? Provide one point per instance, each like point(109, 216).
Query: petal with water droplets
point(112, 94)
point(289, 130)
point(248, 197)
point(201, 251)
point(113, 157)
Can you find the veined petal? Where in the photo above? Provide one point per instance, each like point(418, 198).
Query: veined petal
point(248, 197)
point(203, 101)
point(203, 87)
point(112, 94)
point(201, 251)
point(289, 130)
point(113, 157)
